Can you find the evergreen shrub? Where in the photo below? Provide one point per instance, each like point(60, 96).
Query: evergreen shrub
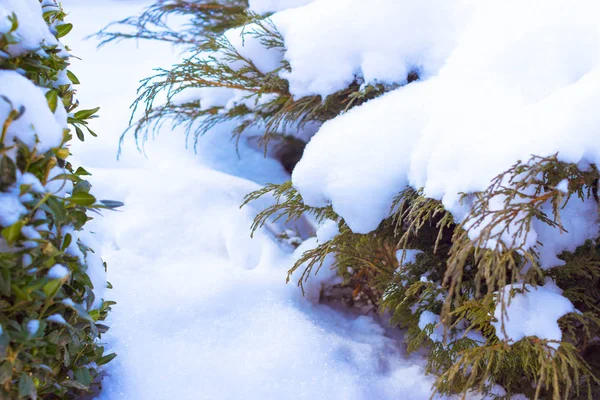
point(459, 279)
point(50, 320)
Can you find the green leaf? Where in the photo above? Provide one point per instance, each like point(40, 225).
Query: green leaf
point(8, 173)
point(91, 132)
point(5, 281)
point(4, 343)
point(73, 78)
point(52, 98)
point(66, 356)
point(63, 154)
point(81, 171)
point(79, 218)
point(52, 287)
point(63, 30)
point(5, 372)
point(82, 187)
point(27, 387)
point(79, 133)
point(67, 241)
point(83, 376)
point(106, 359)
point(85, 114)
point(13, 232)
point(73, 384)
point(112, 203)
point(94, 314)
point(82, 199)
point(57, 209)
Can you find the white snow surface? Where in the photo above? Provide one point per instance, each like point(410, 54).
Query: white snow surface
point(203, 310)
point(533, 313)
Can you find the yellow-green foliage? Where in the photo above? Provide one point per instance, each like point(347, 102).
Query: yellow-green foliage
point(464, 279)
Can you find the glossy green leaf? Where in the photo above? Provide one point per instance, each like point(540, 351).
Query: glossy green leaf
point(85, 114)
point(27, 387)
point(63, 30)
point(82, 199)
point(13, 232)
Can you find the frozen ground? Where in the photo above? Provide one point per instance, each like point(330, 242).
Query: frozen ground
point(203, 310)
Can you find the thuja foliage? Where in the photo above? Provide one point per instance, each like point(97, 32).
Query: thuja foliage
point(49, 329)
point(212, 61)
point(460, 276)
point(462, 268)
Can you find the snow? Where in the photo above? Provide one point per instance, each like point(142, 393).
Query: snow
point(30, 180)
point(390, 39)
point(32, 32)
point(37, 122)
point(58, 272)
point(33, 326)
point(11, 208)
point(57, 318)
point(267, 6)
point(533, 313)
point(327, 230)
point(190, 283)
point(407, 256)
point(427, 319)
point(488, 102)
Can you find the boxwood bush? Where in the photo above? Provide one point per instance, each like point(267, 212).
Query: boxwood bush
point(49, 316)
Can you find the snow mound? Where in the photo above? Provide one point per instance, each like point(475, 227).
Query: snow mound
point(386, 40)
point(509, 86)
point(222, 311)
point(533, 313)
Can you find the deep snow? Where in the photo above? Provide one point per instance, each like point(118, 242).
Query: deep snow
point(203, 310)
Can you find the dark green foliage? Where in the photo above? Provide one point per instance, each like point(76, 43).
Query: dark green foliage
point(61, 358)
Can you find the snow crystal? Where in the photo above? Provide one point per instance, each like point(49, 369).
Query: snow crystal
point(30, 232)
point(11, 208)
point(563, 186)
point(57, 318)
point(32, 31)
point(327, 230)
point(249, 46)
point(68, 303)
point(33, 326)
point(58, 272)
point(37, 120)
point(27, 260)
point(407, 256)
point(31, 180)
point(533, 313)
point(428, 318)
